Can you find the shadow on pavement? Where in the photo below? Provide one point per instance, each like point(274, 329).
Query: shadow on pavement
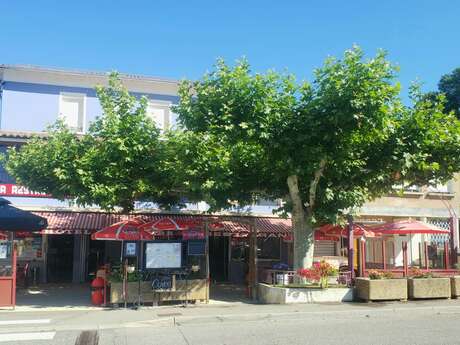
point(54, 295)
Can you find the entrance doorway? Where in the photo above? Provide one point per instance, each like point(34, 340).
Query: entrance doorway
point(219, 258)
point(96, 256)
point(60, 258)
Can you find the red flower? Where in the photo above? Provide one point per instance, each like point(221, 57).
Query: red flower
point(319, 271)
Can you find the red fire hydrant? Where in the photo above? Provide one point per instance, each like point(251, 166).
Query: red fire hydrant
point(97, 291)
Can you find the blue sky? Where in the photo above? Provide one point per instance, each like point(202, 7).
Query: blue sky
point(178, 39)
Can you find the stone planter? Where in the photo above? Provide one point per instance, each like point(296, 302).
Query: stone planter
point(284, 295)
point(191, 290)
point(116, 292)
point(429, 288)
point(455, 286)
point(381, 289)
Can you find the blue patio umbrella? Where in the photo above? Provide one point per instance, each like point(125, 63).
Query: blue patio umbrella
point(14, 219)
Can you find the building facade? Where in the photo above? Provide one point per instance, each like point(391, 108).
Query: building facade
point(32, 98)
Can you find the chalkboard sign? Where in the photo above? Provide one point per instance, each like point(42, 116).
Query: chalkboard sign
point(196, 247)
point(162, 283)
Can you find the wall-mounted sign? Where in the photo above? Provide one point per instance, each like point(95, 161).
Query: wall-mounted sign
point(163, 255)
point(193, 235)
point(9, 189)
point(319, 236)
point(130, 249)
point(196, 247)
point(3, 250)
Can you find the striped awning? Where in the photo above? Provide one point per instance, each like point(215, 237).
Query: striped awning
point(69, 222)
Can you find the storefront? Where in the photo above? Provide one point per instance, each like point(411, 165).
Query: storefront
point(64, 251)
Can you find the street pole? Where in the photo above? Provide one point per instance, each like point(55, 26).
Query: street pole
point(350, 246)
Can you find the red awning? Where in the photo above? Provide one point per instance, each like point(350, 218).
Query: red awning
point(406, 227)
point(68, 222)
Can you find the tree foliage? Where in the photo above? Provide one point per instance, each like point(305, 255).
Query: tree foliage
point(121, 159)
point(449, 85)
point(324, 147)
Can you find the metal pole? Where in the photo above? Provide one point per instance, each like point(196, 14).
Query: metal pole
point(425, 254)
point(125, 282)
point(14, 277)
point(373, 251)
point(255, 274)
point(446, 255)
point(405, 268)
point(453, 238)
point(362, 256)
point(350, 246)
point(384, 255)
point(206, 234)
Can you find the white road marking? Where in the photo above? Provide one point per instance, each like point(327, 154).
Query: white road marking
point(24, 322)
point(27, 336)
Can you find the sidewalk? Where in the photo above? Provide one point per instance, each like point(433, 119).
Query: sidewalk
point(77, 297)
point(49, 297)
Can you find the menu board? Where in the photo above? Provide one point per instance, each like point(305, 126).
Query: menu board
point(163, 255)
point(3, 250)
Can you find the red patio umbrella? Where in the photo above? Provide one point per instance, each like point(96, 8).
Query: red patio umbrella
point(128, 230)
point(406, 227)
point(342, 231)
point(166, 224)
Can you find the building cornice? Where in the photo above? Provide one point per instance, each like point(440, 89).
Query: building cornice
point(87, 79)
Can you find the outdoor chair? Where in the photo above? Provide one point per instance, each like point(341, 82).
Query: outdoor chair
point(22, 275)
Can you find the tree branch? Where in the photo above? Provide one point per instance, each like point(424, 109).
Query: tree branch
point(294, 194)
point(314, 184)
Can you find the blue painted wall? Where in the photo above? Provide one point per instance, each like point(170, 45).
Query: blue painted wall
point(32, 107)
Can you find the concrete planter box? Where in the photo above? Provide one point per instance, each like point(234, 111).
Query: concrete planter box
point(284, 295)
point(191, 290)
point(116, 292)
point(381, 289)
point(428, 288)
point(455, 286)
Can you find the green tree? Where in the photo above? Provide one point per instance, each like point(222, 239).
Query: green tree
point(120, 160)
point(450, 86)
point(324, 148)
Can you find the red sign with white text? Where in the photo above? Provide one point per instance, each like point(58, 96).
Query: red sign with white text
point(193, 235)
point(9, 189)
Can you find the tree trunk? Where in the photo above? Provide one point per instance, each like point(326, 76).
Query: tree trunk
point(301, 226)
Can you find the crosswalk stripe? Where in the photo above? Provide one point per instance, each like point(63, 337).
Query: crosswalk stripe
point(27, 336)
point(24, 322)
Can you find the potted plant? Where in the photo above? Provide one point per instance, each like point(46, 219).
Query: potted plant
point(115, 279)
point(318, 274)
point(423, 284)
point(381, 286)
point(312, 286)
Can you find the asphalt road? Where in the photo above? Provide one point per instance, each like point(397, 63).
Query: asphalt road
point(433, 322)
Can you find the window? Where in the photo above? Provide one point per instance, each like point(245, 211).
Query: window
point(269, 248)
point(72, 110)
point(407, 188)
point(159, 112)
point(439, 188)
point(267, 202)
